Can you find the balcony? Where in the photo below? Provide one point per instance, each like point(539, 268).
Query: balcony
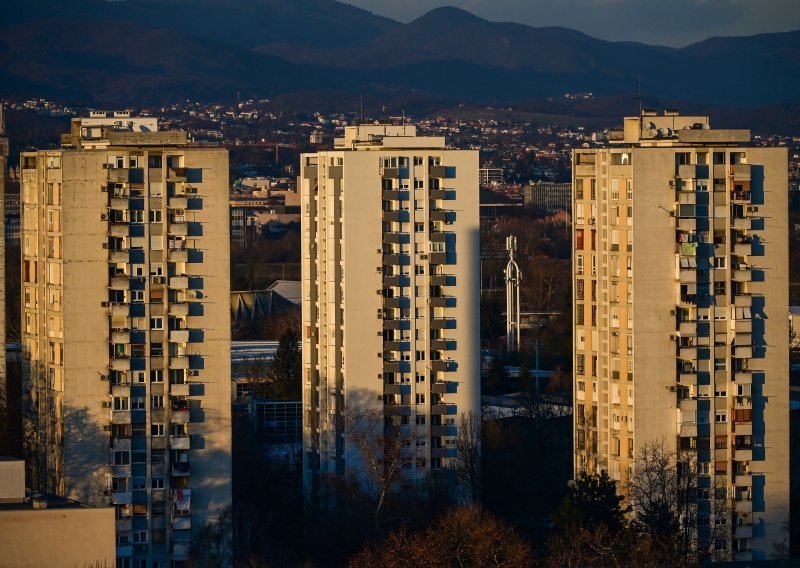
point(175, 255)
point(442, 280)
point(120, 363)
point(443, 365)
point(118, 175)
point(743, 326)
point(687, 224)
point(443, 387)
point(179, 309)
point(442, 215)
point(179, 416)
point(179, 229)
point(181, 522)
point(179, 442)
point(178, 203)
point(179, 336)
point(396, 238)
point(119, 256)
point(125, 551)
point(688, 275)
point(443, 344)
point(743, 351)
point(743, 506)
point(399, 302)
point(120, 336)
point(688, 353)
point(687, 171)
point(120, 417)
point(743, 454)
point(396, 324)
point(396, 345)
point(743, 249)
point(443, 409)
point(180, 469)
point(742, 196)
point(438, 258)
point(443, 452)
point(396, 260)
point(742, 273)
point(395, 216)
point(179, 282)
point(179, 389)
point(743, 377)
point(742, 223)
point(687, 328)
point(179, 362)
point(743, 531)
point(120, 310)
point(116, 229)
point(395, 366)
point(741, 172)
point(448, 430)
point(120, 283)
point(443, 301)
point(743, 300)
point(395, 195)
point(397, 280)
point(443, 323)
point(393, 388)
point(397, 410)
point(122, 497)
point(176, 174)
point(119, 203)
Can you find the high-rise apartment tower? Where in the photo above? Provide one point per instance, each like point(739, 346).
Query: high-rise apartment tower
point(390, 296)
point(125, 293)
point(680, 295)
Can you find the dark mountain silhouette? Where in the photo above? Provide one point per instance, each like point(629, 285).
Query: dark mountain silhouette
point(157, 50)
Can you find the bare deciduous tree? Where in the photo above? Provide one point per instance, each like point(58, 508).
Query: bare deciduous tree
point(380, 446)
point(467, 463)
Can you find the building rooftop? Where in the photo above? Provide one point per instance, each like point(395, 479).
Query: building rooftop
point(673, 129)
point(382, 136)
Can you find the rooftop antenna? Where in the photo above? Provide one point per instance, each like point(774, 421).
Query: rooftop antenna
point(513, 279)
point(361, 111)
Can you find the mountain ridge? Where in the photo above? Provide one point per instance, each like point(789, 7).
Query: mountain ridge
point(91, 50)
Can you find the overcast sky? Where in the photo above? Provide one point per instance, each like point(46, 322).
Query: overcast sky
point(664, 22)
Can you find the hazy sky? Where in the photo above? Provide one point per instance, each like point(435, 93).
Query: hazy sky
point(665, 22)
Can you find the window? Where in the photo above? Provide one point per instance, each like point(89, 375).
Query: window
point(420, 398)
point(721, 416)
point(138, 403)
point(140, 537)
point(720, 364)
point(157, 401)
point(580, 364)
point(121, 403)
point(579, 264)
point(420, 419)
point(157, 430)
point(122, 457)
point(720, 442)
point(719, 262)
point(579, 239)
point(157, 376)
point(579, 289)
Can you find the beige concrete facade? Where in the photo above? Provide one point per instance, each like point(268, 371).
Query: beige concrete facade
point(125, 292)
point(680, 295)
point(390, 295)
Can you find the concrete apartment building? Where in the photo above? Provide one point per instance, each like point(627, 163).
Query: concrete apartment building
point(43, 530)
point(390, 296)
point(680, 301)
point(126, 341)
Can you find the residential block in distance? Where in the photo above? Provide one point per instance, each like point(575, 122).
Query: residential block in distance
point(390, 296)
point(125, 334)
point(680, 295)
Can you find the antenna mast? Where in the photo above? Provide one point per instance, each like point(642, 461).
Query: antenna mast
point(513, 279)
